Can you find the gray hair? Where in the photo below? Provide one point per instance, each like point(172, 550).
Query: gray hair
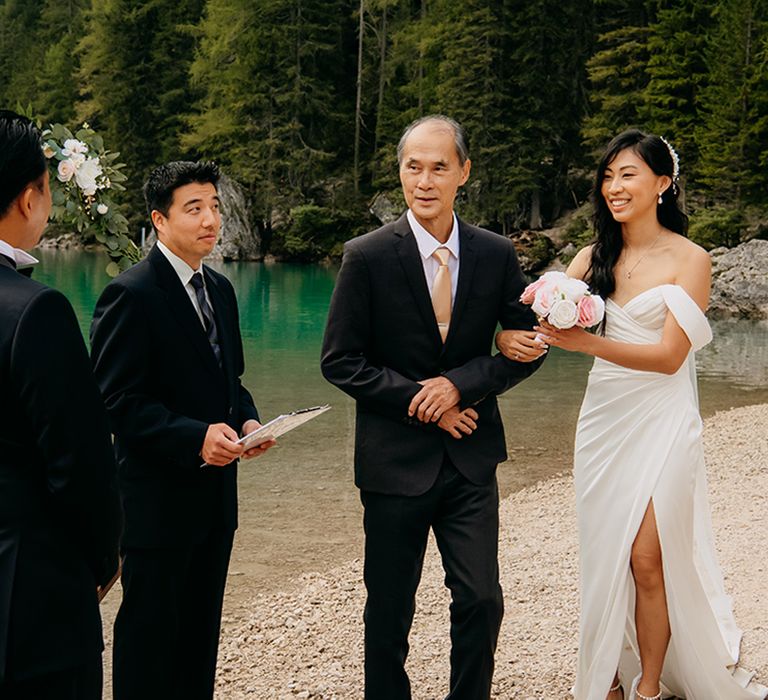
point(459, 136)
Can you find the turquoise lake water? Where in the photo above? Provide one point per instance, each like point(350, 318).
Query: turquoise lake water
point(299, 508)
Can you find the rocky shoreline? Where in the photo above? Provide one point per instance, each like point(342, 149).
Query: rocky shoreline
point(306, 642)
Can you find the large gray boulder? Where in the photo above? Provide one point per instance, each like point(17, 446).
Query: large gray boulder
point(237, 241)
point(740, 281)
point(385, 208)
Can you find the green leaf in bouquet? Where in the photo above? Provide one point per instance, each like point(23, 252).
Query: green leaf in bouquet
point(71, 207)
point(112, 243)
point(113, 269)
point(58, 197)
point(123, 241)
point(101, 236)
point(126, 262)
point(117, 186)
point(59, 132)
point(113, 225)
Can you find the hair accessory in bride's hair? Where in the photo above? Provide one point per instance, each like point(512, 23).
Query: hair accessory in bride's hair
point(675, 159)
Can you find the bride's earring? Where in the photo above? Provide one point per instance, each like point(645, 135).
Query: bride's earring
point(660, 200)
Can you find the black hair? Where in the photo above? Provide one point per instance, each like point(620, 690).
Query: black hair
point(609, 242)
point(21, 157)
point(166, 179)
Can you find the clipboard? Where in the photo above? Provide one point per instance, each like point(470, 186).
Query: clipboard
point(281, 425)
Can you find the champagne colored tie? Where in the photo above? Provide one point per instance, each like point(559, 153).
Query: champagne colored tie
point(441, 292)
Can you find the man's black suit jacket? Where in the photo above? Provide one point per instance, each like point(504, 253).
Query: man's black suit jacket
point(382, 338)
point(163, 387)
point(59, 512)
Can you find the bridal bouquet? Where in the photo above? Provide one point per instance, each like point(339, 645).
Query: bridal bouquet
point(563, 301)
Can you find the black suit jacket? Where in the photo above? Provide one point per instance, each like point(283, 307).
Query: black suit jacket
point(59, 512)
point(163, 387)
point(382, 338)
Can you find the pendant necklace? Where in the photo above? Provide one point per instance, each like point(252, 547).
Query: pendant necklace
point(640, 259)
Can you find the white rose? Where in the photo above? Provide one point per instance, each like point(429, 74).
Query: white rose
point(87, 175)
point(563, 314)
point(72, 146)
point(66, 170)
point(573, 289)
point(102, 209)
point(77, 159)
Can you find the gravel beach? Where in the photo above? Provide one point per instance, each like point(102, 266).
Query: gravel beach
point(306, 642)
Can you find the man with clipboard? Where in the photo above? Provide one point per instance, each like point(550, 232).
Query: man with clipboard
point(168, 357)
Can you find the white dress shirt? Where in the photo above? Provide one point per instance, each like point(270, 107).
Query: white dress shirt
point(185, 272)
point(19, 256)
point(428, 244)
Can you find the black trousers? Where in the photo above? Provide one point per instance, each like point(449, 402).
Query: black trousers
point(465, 520)
point(78, 683)
point(167, 627)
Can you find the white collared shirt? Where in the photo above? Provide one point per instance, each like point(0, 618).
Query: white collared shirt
point(185, 272)
point(19, 256)
point(428, 244)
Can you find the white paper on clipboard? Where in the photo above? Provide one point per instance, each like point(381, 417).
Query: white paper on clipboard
point(281, 425)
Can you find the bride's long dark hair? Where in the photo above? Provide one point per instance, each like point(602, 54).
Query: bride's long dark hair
point(608, 242)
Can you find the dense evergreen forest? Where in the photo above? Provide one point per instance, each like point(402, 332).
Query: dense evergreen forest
point(302, 101)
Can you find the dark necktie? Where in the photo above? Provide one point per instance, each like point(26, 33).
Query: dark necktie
point(205, 310)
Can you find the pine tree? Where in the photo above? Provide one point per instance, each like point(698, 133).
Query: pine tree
point(733, 133)
point(676, 72)
point(618, 80)
point(270, 108)
point(20, 53)
point(134, 67)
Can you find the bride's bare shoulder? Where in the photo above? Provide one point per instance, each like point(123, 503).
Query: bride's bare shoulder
point(580, 264)
point(690, 254)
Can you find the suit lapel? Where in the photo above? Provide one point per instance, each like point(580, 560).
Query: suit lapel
point(182, 309)
point(410, 259)
point(467, 262)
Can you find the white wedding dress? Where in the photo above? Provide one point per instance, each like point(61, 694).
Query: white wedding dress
point(639, 439)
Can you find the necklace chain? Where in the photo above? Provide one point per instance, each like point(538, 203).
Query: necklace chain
point(640, 259)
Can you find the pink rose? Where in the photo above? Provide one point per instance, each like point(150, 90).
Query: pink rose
point(545, 296)
point(529, 293)
point(591, 310)
point(66, 170)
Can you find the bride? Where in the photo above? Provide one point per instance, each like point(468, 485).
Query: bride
point(655, 619)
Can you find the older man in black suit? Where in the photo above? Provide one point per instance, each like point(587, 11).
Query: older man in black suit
point(168, 357)
point(59, 512)
point(409, 335)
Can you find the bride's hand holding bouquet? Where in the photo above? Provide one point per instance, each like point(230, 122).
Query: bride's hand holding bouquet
point(565, 308)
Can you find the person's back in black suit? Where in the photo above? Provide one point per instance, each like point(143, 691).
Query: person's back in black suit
point(59, 512)
point(428, 433)
point(168, 357)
